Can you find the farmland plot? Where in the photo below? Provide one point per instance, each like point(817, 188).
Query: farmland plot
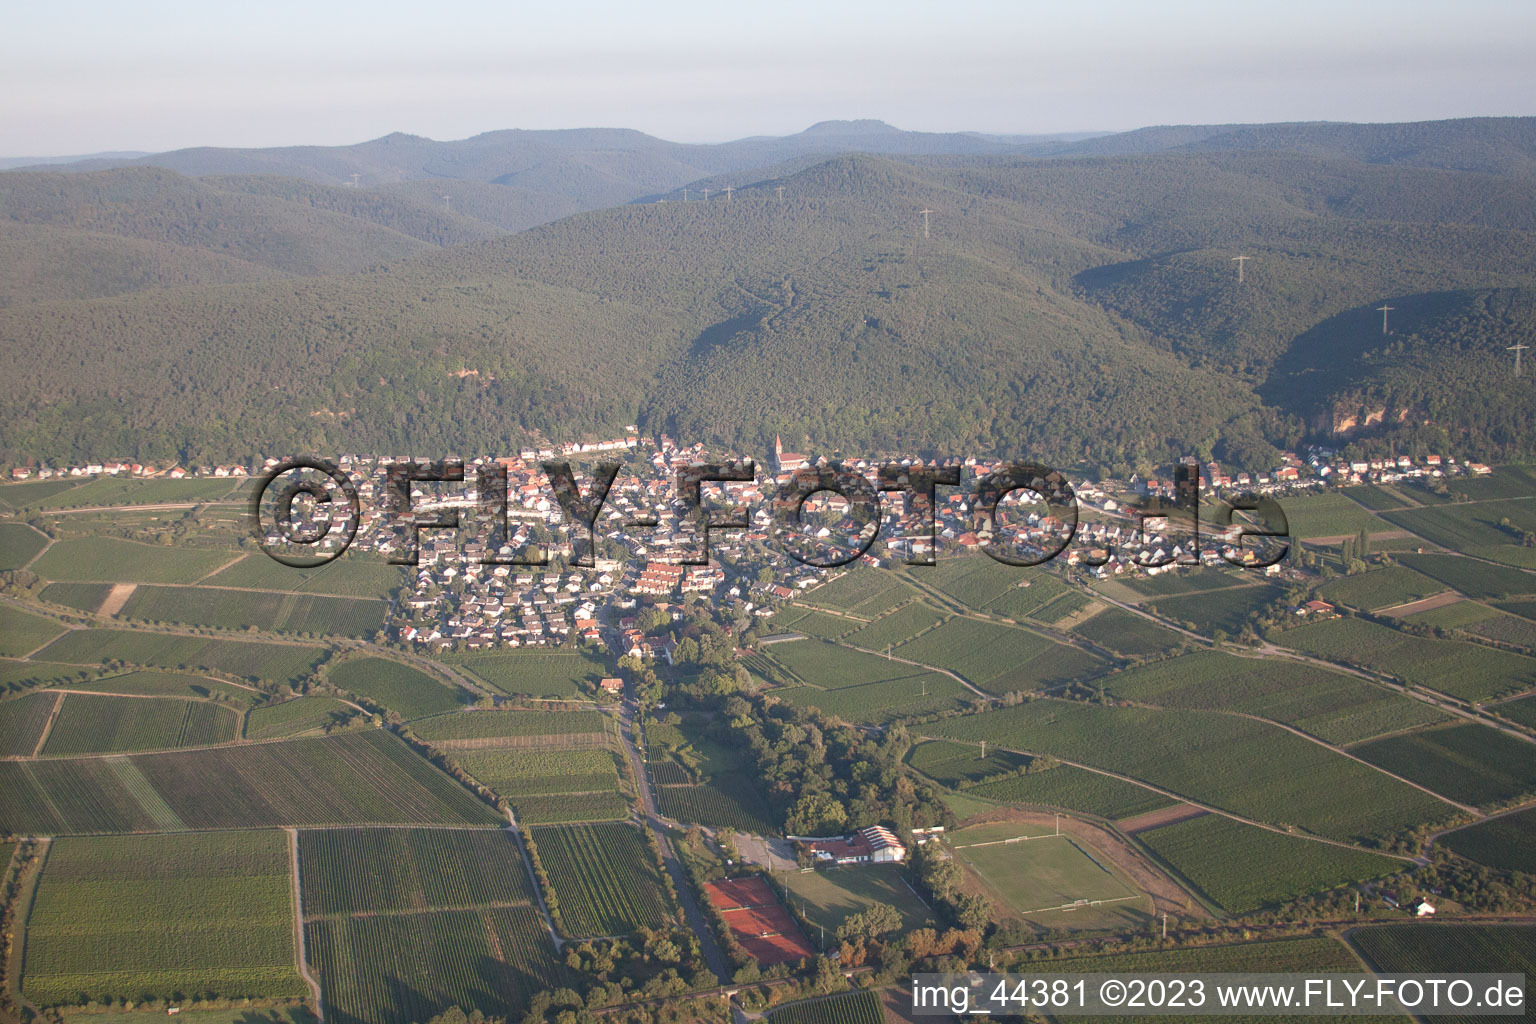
point(575, 728)
point(1411, 948)
point(728, 802)
point(373, 870)
point(94, 559)
point(1476, 579)
point(535, 673)
point(296, 717)
point(90, 724)
point(960, 765)
point(1249, 767)
point(407, 968)
point(1507, 843)
point(1127, 634)
point(397, 687)
point(279, 663)
point(1227, 610)
point(22, 632)
point(921, 692)
point(1074, 789)
point(1243, 868)
point(604, 877)
point(349, 576)
point(897, 627)
point(1455, 667)
point(171, 917)
point(22, 722)
point(522, 771)
point(268, 610)
point(1467, 762)
point(1381, 588)
point(845, 1008)
point(19, 544)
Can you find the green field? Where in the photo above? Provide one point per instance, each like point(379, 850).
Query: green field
point(1185, 581)
point(116, 490)
point(920, 693)
point(22, 721)
point(170, 917)
point(1507, 843)
point(997, 658)
point(82, 597)
point(1227, 610)
point(400, 688)
point(168, 684)
point(523, 771)
point(1467, 762)
point(112, 560)
point(17, 676)
point(1475, 529)
point(1043, 877)
point(1074, 789)
point(1461, 669)
point(562, 810)
point(376, 870)
point(266, 610)
point(350, 576)
point(862, 592)
point(19, 544)
point(604, 878)
point(574, 727)
point(353, 778)
point(22, 632)
point(255, 659)
point(535, 673)
point(297, 717)
point(812, 623)
point(1522, 711)
point(961, 765)
point(844, 1008)
point(829, 897)
point(898, 627)
point(1241, 868)
point(1328, 515)
point(33, 493)
point(1475, 579)
point(1330, 705)
point(1381, 588)
point(407, 968)
point(1376, 498)
point(1128, 634)
point(1417, 948)
point(1249, 767)
point(92, 724)
point(729, 802)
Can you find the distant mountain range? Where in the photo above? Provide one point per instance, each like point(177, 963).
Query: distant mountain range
point(1075, 301)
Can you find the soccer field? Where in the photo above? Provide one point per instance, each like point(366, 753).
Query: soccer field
point(1044, 874)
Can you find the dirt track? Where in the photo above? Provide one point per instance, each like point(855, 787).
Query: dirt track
point(1158, 818)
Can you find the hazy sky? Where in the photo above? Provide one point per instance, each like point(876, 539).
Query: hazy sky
point(81, 76)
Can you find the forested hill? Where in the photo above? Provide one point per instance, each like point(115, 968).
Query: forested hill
point(1081, 310)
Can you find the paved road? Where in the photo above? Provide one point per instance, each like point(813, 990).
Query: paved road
point(692, 913)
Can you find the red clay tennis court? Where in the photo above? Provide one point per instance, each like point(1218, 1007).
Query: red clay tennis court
point(758, 920)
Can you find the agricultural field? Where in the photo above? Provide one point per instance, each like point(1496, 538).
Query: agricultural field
point(895, 628)
point(569, 728)
point(862, 1007)
point(1127, 634)
point(166, 684)
point(1377, 498)
point(297, 717)
point(562, 810)
point(350, 779)
point(1381, 588)
point(92, 724)
point(349, 576)
point(93, 559)
point(832, 667)
point(400, 688)
point(19, 544)
point(960, 765)
point(978, 651)
point(170, 917)
point(1277, 955)
point(1522, 711)
point(1329, 705)
point(1458, 615)
point(82, 597)
point(1478, 580)
point(1029, 597)
point(604, 877)
point(1185, 581)
point(1317, 516)
point(1242, 868)
point(1455, 667)
point(1041, 877)
point(17, 676)
point(375, 870)
point(33, 492)
point(113, 490)
point(522, 771)
point(1074, 789)
point(22, 721)
point(22, 632)
point(1474, 529)
point(1507, 843)
point(920, 693)
point(275, 662)
point(812, 623)
point(1227, 610)
point(864, 593)
point(829, 897)
point(1408, 948)
point(535, 673)
point(727, 802)
point(1467, 762)
point(1248, 767)
point(266, 610)
point(976, 580)
point(407, 968)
